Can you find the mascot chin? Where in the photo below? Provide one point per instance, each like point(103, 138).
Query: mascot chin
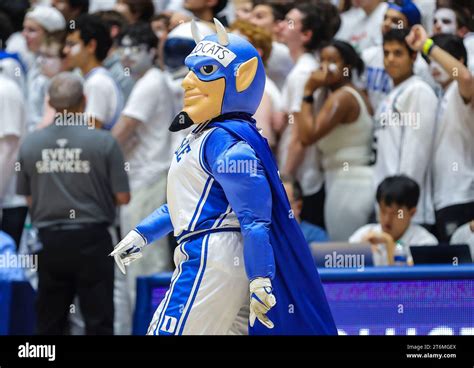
point(242, 263)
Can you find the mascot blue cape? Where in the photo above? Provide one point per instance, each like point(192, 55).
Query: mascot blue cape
point(301, 306)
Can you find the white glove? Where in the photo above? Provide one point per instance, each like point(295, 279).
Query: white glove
point(261, 301)
point(128, 250)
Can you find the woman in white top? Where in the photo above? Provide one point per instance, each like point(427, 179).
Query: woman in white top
point(338, 118)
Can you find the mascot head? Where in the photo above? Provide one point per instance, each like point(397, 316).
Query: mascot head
point(226, 75)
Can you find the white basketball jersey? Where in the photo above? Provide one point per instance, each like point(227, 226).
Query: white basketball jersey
point(196, 201)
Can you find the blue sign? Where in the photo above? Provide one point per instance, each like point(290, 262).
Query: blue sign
point(431, 300)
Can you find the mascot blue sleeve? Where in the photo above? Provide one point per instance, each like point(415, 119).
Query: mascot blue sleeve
point(249, 195)
point(156, 225)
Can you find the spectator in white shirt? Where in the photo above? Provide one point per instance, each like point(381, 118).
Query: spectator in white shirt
point(87, 44)
point(116, 23)
point(361, 28)
point(405, 124)
point(11, 64)
point(375, 80)
point(305, 30)
point(142, 130)
point(16, 11)
point(451, 19)
point(51, 61)
point(12, 128)
point(457, 20)
point(397, 197)
point(270, 16)
point(453, 165)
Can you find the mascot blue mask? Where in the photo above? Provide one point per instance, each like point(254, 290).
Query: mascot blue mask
point(226, 75)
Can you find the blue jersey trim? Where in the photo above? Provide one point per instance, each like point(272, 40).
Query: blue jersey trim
point(196, 289)
point(170, 290)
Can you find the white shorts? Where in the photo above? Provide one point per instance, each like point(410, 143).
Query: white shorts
point(209, 291)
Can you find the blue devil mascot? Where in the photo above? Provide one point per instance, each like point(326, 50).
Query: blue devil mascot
point(242, 263)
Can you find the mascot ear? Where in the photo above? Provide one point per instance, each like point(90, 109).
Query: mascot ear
point(246, 73)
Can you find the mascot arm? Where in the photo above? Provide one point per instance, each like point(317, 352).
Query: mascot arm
point(156, 225)
point(237, 169)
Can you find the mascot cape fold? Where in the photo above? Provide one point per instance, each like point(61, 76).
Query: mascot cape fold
point(301, 307)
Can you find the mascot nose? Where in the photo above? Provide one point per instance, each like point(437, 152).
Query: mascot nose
point(189, 82)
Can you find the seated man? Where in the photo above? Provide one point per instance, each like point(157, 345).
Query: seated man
point(397, 197)
point(312, 233)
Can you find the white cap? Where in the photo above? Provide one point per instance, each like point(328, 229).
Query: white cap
point(47, 17)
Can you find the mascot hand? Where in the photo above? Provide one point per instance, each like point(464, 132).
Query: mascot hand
point(261, 301)
point(128, 250)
